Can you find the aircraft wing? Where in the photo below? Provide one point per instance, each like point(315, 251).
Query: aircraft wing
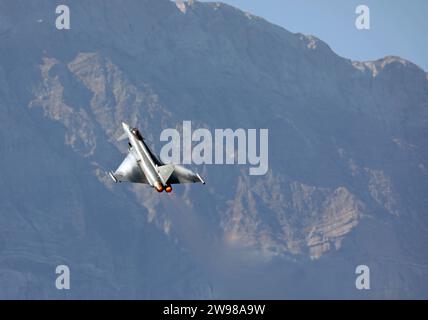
point(183, 175)
point(130, 171)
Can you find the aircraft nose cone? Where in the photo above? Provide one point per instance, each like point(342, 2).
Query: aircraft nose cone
point(125, 126)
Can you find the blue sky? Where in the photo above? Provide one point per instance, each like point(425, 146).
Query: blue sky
point(398, 27)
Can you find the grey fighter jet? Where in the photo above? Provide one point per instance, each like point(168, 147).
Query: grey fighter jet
point(142, 166)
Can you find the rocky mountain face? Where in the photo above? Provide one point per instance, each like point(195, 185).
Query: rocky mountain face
point(348, 158)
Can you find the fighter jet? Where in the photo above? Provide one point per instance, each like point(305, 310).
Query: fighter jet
point(142, 166)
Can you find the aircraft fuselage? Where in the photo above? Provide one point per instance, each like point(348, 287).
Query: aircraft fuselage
point(144, 159)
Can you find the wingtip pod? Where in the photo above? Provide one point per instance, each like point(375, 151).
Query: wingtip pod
point(112, 176)
point(200, 179)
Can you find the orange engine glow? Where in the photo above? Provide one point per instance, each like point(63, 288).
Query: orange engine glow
point(159, 188)
point(168, 189)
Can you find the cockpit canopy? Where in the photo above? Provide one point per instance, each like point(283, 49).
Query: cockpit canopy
point(137, 133)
